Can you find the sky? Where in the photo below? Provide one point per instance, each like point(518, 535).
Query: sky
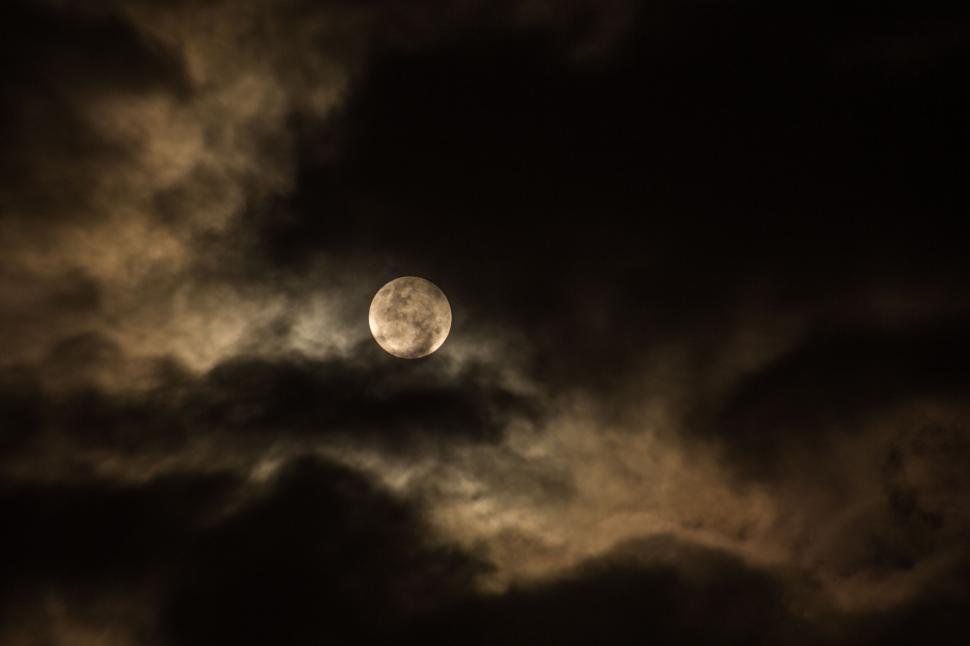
point(707, 374)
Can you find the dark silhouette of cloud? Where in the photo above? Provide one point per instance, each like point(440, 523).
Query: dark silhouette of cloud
point(834, 382)
point(322, 555)
point(257, 400)
point(101, 534)
point(626, 598)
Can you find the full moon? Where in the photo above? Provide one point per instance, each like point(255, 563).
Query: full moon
point(410, 317)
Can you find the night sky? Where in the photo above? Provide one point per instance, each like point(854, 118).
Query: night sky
point(708, 372)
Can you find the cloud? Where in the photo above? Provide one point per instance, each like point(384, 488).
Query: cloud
point(314, 552)
point(57, 63)
point(100, 534)
point(253, 403)
point(837, 380)
point(705, 283)
point(656, 590)
point(320, 555)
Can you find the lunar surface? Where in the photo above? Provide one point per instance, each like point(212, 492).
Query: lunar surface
point(410, 317)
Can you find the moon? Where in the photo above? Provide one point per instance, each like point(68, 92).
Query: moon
point(410, 317)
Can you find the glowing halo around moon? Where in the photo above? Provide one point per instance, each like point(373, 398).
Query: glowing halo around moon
point(410, 317)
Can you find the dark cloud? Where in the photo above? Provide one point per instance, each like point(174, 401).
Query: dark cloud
point(835, 381)
point(400, 407)
point(703, 225)
point(663, 591)
point(394, 403)
point(57, 61)
point(98, 533)
point(926, 478)
point(939, 616)
point(635, 595)
point(321, 555)
point(318, 552)
point(21, 407)
point(91, 46)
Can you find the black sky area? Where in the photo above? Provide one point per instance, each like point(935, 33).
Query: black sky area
point(707, 379)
